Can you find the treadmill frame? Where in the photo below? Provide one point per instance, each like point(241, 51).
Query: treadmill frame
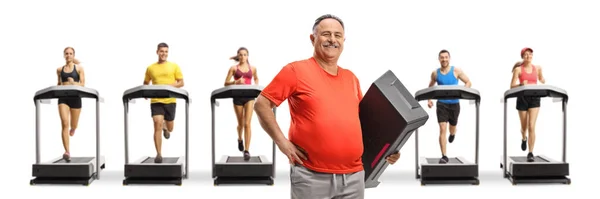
point(66, 173)
point(150, 179)
point(41, 97)
point(537, 172)
point(217, 180)
point(543, 91)
point(473, 180)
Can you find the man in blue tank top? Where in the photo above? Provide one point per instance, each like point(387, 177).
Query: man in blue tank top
point(448, 109)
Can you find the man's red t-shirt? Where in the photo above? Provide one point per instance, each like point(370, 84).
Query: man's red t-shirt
point(324, 114)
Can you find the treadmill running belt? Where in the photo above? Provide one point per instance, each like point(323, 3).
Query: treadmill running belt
point(524, 159)
point(76, 160)
point(241, 160)
point(165, 160)
point(437, 160)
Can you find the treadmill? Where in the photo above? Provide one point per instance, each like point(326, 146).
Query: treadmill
point(543, 169)
point(172, 170)
point(458, 170)
point(79, 170)
point(234, 169)
point(389, 114)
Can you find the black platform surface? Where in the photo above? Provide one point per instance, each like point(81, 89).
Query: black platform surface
point(76, 160)
point(164, 160)
point(524, 159)
point(389, 114)
point(450, 161)
point(236, 159)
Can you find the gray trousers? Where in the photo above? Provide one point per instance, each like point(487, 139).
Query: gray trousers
point(307, 184)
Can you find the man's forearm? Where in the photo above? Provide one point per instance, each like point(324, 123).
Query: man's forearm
point(267, 121)
point(178, 84)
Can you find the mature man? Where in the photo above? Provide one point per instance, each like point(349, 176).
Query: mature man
point(325, 137)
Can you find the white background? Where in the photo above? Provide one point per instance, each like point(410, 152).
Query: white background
point(116, 41)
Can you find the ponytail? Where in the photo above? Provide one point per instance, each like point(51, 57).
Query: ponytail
point(236, 58)
point(76, 61)
point(519, 63)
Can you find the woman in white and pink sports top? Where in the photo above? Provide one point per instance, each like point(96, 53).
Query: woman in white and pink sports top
point(242, 73)
point(525, 73)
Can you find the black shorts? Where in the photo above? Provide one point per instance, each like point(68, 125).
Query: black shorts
point(525, 103)
point(166, 110)
point(71, 102)
point(448, 113)
point(241, 101)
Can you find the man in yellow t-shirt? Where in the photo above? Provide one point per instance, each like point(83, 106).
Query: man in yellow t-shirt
point(163, 109)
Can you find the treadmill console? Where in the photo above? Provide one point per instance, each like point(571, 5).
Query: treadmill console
point(448, 92)
point(54, 92)
point(155, 91)
point(234, 91)
point(389, 114)
point(536, 91)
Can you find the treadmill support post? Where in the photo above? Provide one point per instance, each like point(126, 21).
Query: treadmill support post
point(417, 153)
point(187, 139)
point(126, 134)
point(98, 100)
point(274, 149)
point(212, 109)
point(564, 106)
point(477, 132)
point(37, 132)
point(504, 156)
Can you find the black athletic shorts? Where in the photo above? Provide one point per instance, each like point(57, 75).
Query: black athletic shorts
point(71, 102)
point(166, 110)
point(448, 113)
point(241, 101)
point(525, 103)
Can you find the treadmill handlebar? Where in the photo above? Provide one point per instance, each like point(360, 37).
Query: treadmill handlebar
point(448, 92)
point(536, 91)
point(54, 92)
point(155, 91)
point(48, 101)
point(234, 91)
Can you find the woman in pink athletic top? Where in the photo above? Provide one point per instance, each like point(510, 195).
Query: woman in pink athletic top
point(242, 73)
point(525, 73)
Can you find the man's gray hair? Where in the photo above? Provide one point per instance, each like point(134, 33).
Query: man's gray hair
point(323, 17)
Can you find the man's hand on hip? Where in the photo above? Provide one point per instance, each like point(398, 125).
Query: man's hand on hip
point(294, 154)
